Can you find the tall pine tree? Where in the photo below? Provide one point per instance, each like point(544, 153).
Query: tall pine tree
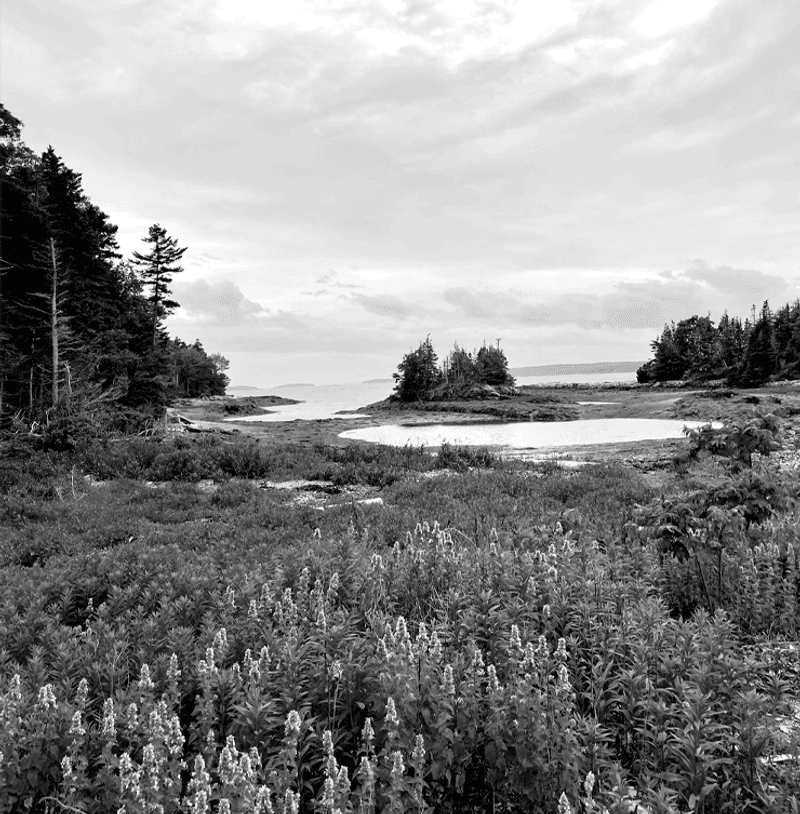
point(156, 269)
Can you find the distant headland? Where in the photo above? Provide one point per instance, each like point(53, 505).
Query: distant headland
point(571, 370)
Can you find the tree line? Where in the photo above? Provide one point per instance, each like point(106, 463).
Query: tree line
point(763, 347)
point(79, 325)
point(462, 374)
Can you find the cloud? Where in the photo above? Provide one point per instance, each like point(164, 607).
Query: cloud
point(388, 305)
point(218, 301)
point(631, 304)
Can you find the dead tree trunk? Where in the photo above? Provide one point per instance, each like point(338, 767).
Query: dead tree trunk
point(54, 322)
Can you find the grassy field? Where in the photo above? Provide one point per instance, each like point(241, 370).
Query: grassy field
point(179, 633)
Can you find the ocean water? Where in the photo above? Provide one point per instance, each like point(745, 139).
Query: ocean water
point(323, 401)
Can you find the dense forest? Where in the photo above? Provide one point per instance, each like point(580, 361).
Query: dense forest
point(745, 354)
point(462, 374)
point(82, 329)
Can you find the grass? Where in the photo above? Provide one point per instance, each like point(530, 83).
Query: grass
point(502, 637)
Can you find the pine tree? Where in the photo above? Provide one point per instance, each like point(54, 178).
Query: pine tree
point(491, 366)
point(156, 269)
point(417, 374)
point(760, 360)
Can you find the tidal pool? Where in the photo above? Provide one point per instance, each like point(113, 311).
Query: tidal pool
point(527, 435)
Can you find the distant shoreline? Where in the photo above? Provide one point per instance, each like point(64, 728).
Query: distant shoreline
point(529, 370)
point(576, 369)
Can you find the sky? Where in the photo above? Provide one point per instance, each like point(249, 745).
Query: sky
point(349, 177)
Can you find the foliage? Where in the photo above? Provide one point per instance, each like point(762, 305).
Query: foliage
point(745, 354)
point(76, 320)
point(541, 650)
point(462, 374)
point(417, 374)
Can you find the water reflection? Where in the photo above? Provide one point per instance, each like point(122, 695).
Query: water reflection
point(527, 435)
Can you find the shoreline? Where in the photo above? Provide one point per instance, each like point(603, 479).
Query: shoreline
point(629, 401)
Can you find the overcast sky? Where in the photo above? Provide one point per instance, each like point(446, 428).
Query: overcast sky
point(351, 176)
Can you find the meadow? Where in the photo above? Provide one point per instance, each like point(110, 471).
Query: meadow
point(495, 636)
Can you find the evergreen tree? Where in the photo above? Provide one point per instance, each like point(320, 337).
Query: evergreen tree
point(458, 369)
point(731, 341)
point(156, 269)
point(668, 363)
point(760, 359)
point(417, 374)
point(491, 367)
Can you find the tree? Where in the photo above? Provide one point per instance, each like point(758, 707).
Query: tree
point(458, 368)
point(417, 374)
point(668, 363)
point(156, 269)
point(760, 358)
point(491, 367)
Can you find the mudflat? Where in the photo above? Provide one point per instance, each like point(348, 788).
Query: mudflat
point(553, 403)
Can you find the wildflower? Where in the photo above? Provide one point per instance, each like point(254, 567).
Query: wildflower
point(109, 729)
point(561, 650)
point(398, 768)
point(334, 583)
point(292, 727)
point(291, 804)
point(494, 684)
point(46, 698)
point(448, 684)
point(563, 804)
point(435, 647)
point(588, 786)
point(82, 694)
point(252, 611)
point(263, 804)
point(368, 734)
point(76, 727)
point(422, 637)
point(230, 597)
point(477, 662)
point(563, 685)
point(391, 713)
point(401, 634)
point(14, 690)
point(384, 650)
point(174, 740)
point(129, 777)
point(173, 671)
point(322, 622)
point(67, 768)
point(220, 643)
point(336, 670)
point(328, 794)
point(133, 716)
point(227, 761)
point(546, 611)
point(150, 765)
point(317, 535)
point(418, 755)
point(224, 806)
point(145, 681)
point(515, 642)
point(199, 787)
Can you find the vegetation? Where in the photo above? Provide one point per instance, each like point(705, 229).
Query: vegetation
point(745, 354)
point(557, 641)
point(462, 375)
point(81, 331)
